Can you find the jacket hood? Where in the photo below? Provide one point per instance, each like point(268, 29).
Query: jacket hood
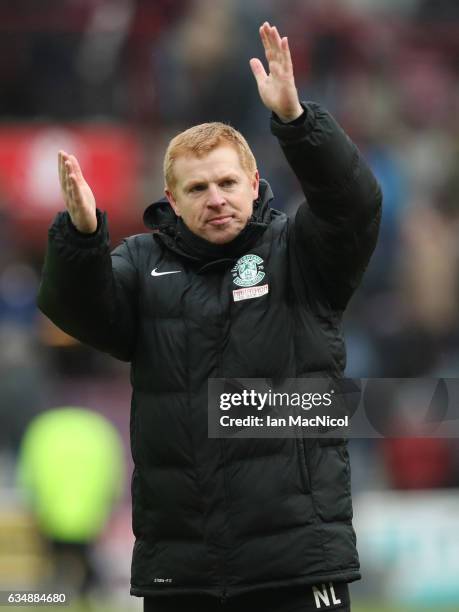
point(175, 235)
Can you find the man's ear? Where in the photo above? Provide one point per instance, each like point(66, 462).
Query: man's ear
point(256, 184)
point(172, 202)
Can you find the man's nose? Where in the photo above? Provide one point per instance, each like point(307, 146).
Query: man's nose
point(215, 196)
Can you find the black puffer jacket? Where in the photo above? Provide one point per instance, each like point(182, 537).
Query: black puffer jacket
point(228, 516)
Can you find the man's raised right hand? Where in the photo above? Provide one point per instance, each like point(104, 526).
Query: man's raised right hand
point(78, 197)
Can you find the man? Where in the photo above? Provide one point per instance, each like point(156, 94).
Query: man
point(71, 469)
point(259, 524)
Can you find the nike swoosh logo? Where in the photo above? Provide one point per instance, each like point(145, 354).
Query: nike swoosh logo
point(154, 273)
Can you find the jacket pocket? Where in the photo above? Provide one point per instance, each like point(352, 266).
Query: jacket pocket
point(330, 475)
point(303, 464)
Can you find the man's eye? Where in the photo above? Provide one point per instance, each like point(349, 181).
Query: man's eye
point(228, 183)
point(196, 188)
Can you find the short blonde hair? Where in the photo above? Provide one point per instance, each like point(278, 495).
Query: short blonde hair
point(200, 140)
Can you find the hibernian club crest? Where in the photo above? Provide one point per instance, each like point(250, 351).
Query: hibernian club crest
point(248, 271)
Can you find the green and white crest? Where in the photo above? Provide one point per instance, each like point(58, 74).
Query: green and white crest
point(248, 271)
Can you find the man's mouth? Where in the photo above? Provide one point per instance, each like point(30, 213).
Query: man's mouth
point(220, 220)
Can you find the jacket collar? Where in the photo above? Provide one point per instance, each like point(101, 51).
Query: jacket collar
point(175, 235)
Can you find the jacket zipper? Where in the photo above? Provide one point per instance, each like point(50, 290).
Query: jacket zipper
point(224, 596)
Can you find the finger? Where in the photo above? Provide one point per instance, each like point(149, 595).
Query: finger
point(67, 183)
point(71, 165)
point(76, 169)
point(71, 195)
point(258, 70)
point(286, 55)
point(264, 30)
point(74, 190)
point(275, 44)
point(269, 35)
point(64, 172)
point(61, 168)
point(265, 39)
point(275, 39)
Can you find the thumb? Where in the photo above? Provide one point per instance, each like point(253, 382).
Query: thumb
point(258, 70)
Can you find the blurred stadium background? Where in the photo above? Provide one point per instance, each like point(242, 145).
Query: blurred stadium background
point(112, 81)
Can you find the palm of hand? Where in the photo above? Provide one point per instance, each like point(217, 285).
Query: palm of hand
point(78, 197)
point(83, 203)
point(277, 89)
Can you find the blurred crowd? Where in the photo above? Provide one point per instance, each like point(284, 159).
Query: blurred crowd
point(388, 71)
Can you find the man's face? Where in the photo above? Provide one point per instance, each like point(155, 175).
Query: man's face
point(213, 194)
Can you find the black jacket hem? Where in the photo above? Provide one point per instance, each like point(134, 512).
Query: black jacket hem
point(345, 576)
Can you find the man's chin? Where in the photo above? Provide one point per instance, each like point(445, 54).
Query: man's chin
point(223, 239)
point(223, 235)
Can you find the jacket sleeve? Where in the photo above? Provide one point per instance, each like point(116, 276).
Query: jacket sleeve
point(336, 228)
point(88, 292)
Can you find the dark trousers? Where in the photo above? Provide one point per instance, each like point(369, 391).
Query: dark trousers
point(327, 596)
point(72, 567)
